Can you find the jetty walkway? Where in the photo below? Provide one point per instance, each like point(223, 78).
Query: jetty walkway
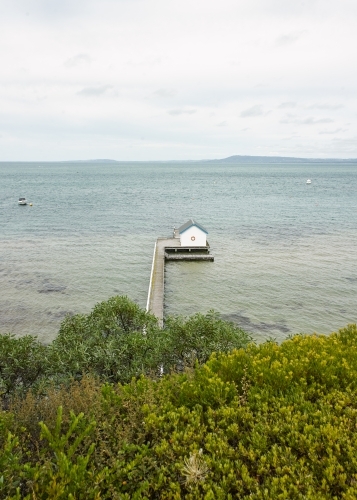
point(168, 249)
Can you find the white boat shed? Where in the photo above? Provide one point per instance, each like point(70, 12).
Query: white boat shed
point(192, 234)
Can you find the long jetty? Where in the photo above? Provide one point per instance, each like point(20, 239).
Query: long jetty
point(168, 249)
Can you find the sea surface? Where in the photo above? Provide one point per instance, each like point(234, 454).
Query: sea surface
point(285, 252)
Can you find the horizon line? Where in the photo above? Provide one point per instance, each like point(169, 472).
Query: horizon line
point(228, 158)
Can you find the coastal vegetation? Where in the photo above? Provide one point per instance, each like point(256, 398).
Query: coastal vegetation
point(116, 408)
point(115, 342)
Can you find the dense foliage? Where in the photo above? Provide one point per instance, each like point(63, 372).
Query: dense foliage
point(265, 422)
point(115, 342)
point(22, 363)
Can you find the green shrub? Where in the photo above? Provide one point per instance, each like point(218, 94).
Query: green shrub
point(118, 341)
point(23, 362)
point(65, 475)
point(264, 422)
point(120, 315)
point(115, 342)
point(79, 396)
point(195, 338)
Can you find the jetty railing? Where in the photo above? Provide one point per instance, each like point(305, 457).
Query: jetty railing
point(151, 278)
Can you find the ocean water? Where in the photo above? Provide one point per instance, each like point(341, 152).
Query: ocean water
point(285, 252)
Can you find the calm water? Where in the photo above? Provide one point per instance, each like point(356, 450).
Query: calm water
point(285, 252)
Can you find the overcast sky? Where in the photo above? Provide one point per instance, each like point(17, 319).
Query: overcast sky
point(183, 79)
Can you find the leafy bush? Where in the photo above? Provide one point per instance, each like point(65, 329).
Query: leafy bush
point(266, 422)
point(79, 396)
point(23, 361)
point(194, 339)
point(109, 342)
point(115, 342)
point(118, 341)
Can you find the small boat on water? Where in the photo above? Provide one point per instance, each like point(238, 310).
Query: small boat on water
point(22, 201)
point(308, 181)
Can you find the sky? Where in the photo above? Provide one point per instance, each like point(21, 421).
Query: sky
point(177, 79)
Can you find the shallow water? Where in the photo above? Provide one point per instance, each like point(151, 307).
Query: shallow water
point(285, 252)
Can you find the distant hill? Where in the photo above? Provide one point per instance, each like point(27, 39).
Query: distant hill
point(90, 161)
point(230, 159)
point(280, 159)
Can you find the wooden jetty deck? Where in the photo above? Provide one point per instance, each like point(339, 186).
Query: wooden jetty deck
point(168, 249)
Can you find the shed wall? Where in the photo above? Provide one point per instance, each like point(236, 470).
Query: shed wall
point(200, 237)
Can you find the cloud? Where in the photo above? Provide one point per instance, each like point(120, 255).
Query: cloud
point(222, 124)
point(324, 106)
point(165, 93)
point(310, 120)
point(149, 62)
point(77, 60)
point(347, 145)
point(176, 112)
point(94, 91)
point(332, 131)
point(253, 111)
point(289, 38)
point(352, 141)
point(285, 105)
point(177, 69)
point(292, 137)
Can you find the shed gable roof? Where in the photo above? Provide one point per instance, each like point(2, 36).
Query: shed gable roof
point(189, 224)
